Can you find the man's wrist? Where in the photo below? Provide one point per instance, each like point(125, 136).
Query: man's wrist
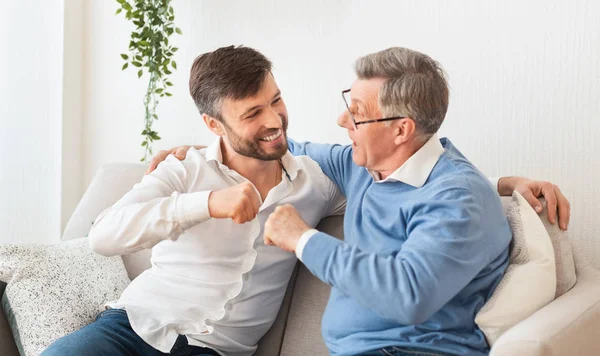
point(506, 185)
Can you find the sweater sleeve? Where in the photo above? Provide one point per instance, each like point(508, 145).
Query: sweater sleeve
point(447, 245)
point(335, 160)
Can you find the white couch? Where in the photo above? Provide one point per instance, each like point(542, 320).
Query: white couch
point(570, 325)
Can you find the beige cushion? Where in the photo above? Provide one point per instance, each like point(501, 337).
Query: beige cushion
point(108, 186)
point(529, 282)
point(563, 256)
point(564, 253)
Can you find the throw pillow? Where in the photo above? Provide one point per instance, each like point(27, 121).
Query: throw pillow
point(54, 290)
point(529, 282)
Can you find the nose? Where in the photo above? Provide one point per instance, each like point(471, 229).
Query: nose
point(272, 119)
point(345, 121)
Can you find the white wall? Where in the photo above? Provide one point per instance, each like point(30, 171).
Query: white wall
point(31, 57)
point(525, 78)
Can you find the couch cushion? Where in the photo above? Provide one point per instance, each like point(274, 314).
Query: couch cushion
point(108, 186)
point(55, 289)
point(303, 330)
point(564, 253)
point(529, 282)
point(270, 343)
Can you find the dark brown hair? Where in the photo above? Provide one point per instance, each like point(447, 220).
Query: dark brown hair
point(228, 72)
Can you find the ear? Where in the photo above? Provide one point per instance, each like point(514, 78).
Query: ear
point(405, 129)
point(213, 125)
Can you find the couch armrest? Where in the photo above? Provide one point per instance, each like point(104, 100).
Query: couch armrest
point(7, 342)
point(570, 325)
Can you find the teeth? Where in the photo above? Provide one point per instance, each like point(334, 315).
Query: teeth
point(272, 137)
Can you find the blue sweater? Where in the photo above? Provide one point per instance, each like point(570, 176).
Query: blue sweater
point(417, 264)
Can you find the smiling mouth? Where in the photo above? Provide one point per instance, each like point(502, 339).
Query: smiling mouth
point(273, 137)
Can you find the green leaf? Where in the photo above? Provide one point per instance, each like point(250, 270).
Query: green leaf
point(143, 159)
point(118, 11)
point(178, 30)
point(174, 49)
point(159, 90)
point(168, 94)
point(140, 72)
point(144, 43)
point(144, 143)
point(169, 84)
point(137, 64)
point(125, 66)
point(173, 64)
point(124, 56)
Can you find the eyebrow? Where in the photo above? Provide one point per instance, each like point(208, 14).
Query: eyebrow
point(258, 106)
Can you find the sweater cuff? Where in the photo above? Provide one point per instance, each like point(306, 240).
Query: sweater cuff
point(317, 252)
point(192, 209)
point(302, 242)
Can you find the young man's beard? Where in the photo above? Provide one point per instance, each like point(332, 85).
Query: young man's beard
point(251, 148)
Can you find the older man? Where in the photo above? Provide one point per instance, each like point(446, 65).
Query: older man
point(426, 240)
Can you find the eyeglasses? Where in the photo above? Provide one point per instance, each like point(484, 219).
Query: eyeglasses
point(354, 123)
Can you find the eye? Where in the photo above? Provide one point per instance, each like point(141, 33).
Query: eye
point(276, 100)
point(253, 115)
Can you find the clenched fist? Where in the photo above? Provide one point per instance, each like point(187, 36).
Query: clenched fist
point(240, 203)
point(284, 227)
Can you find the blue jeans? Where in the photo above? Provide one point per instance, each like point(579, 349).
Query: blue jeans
point(112, 335)
point(403, 351)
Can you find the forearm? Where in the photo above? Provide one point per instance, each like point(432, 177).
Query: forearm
point(129, 226)
point(387, 285)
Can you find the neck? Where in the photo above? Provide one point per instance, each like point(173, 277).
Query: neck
point(394, 161)
point(256, 171)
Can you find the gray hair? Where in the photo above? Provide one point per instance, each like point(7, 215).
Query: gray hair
point(415, 86)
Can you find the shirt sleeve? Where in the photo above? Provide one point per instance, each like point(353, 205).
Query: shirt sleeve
point(494, 181)
point(156, 209)
point(446, 247)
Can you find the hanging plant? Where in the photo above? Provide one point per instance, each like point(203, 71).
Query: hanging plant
point(151, 53)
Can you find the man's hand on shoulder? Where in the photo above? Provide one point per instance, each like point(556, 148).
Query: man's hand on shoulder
point(180, 152)
point(531, 190)
point(240, 203)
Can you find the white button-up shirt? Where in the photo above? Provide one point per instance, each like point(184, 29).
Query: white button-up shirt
point(212, 280)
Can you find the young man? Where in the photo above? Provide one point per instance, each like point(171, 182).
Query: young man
point(214, 286)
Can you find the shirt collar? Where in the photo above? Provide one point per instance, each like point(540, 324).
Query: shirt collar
point(288, 161)
point(417, 167)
